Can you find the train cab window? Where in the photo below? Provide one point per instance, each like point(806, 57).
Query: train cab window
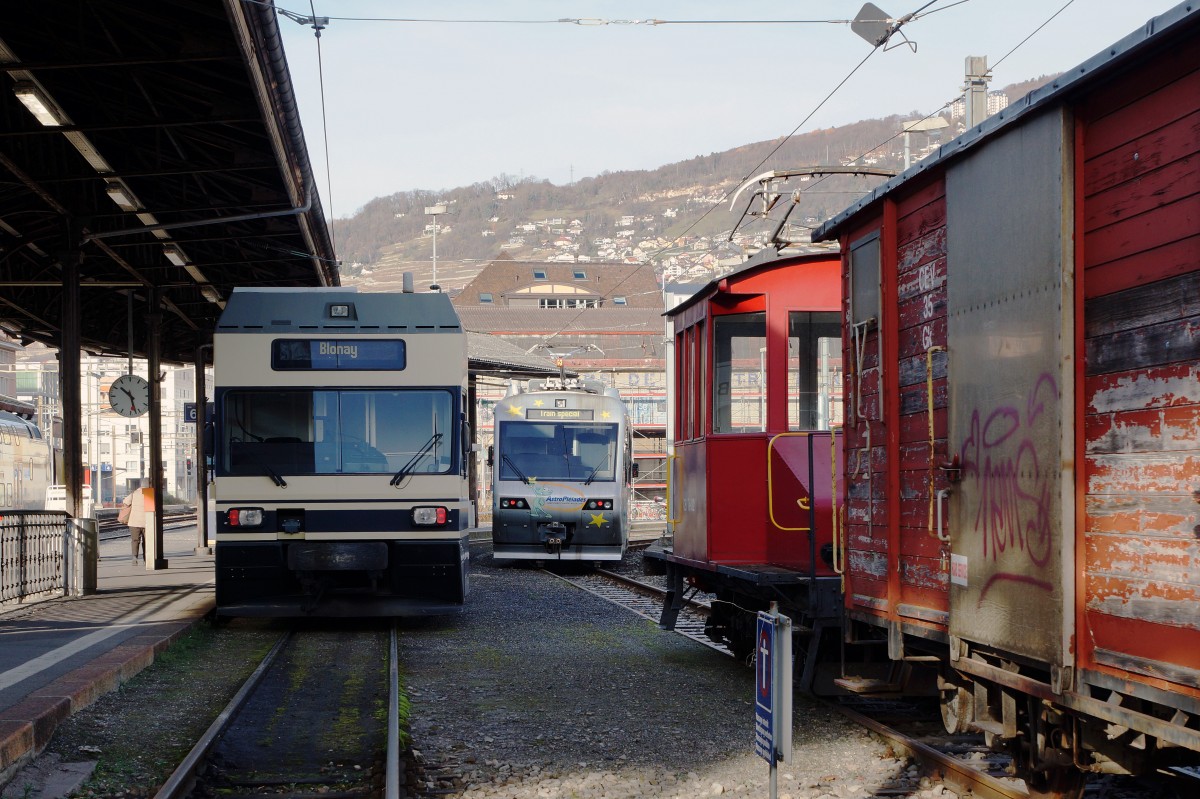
point(739, 373)
point(556, 451)
point(814, 370)
point(364, 431)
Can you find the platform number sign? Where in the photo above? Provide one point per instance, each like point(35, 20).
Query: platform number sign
point(764, 678)
point(773, 691)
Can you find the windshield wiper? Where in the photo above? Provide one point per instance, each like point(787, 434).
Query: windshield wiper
point(508, 460)
point(592, 476)
point(275, 476)
point(415, 459)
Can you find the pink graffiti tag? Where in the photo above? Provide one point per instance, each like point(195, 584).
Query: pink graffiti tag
point(1016, 495)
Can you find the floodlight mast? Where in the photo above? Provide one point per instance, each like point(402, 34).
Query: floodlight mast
point(435, 211)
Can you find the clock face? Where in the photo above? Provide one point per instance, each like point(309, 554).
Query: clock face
point(129, 395)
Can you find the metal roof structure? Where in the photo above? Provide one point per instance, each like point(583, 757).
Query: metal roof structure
point(158, 147)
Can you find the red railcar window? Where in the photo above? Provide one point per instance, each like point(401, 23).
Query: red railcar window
point(814, 370)
point(739, 402)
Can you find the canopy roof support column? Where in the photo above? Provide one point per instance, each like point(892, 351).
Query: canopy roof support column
point(154, 366)
point(69, 361)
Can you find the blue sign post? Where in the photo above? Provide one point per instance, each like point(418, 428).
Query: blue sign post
point(764, 693)
point(773, 691)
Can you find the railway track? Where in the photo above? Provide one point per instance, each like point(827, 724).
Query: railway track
point(646, 601)
point(111, 528)
point(962, 762)
point(308, 722)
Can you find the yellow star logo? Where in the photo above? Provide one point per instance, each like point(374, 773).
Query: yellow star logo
point(515, 410)
point(597, 519)
point(539, 403)
point(532, 480)
point(605, 414)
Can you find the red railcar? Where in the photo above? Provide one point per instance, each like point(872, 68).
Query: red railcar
point(1022, 425)
point(757, 388)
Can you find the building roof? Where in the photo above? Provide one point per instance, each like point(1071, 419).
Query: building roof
point(504, 278)
point(493, 355)
point(573, 321)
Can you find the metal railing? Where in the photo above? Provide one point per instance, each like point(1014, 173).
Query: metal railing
point(33, 549)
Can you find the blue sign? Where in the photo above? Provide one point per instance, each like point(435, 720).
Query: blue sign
point(764, 683)
point(190, 412)
point(342, 354)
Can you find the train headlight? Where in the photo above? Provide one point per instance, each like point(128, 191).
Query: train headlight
point(429, 516)
point(598, 504)
point(245, 517)
point(517, 503)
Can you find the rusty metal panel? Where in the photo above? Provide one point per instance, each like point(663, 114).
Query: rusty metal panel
point(1009, 268)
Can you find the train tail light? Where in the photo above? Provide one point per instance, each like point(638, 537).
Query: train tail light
point(598, 504)
point(245, 517)
point(431, 516)
point(509, 503)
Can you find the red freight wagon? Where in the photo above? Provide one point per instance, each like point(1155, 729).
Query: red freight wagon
point(1022, 423)
point(757, 393)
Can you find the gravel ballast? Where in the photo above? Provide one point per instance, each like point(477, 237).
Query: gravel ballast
point(543, 690)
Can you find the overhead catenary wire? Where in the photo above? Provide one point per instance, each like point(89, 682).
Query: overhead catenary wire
point(948, 103)
point(578, 21)
point(317, 27)
point(895, 25)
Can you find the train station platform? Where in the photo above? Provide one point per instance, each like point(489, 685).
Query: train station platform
point(59, 655)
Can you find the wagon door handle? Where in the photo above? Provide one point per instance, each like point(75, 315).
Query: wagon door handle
point(941, 535)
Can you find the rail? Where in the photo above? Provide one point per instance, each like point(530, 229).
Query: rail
point(196, 766)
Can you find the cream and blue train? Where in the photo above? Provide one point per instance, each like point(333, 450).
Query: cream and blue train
point(562, 469)
point(340, 454)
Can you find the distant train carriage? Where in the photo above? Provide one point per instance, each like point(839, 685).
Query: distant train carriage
point(758, 395)
point(1022, 404)
point(340, 454)
point(562, 469)
point(26, 464)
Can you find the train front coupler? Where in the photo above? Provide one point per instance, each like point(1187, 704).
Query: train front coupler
point(554, 536)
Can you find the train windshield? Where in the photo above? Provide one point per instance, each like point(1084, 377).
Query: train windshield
point(557, 451)
point(349, 431)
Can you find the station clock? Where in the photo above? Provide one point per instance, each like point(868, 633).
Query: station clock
point(129, 395)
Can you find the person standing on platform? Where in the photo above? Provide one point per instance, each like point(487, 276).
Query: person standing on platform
point(133, 513)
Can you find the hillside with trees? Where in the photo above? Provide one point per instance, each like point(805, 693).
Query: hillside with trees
point(677, 217)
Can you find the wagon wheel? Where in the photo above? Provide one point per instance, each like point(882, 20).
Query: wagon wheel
point(957, 706)
point(1060, 782)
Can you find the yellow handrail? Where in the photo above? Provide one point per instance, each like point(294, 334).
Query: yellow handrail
point(671, 492)
point(838, 558)
point(771, 494)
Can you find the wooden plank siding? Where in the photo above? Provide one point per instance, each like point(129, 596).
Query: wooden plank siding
point(1141, 385)
point(876, 553)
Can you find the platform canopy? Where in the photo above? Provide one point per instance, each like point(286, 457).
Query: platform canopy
point(158, 146)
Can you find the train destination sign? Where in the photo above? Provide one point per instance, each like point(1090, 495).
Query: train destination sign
point(322, 354)
point(586, 414)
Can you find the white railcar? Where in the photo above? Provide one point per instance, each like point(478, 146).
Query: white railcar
point(340, 454)
point(562, 469)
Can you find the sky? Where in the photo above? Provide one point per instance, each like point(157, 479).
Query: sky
point(436, 105)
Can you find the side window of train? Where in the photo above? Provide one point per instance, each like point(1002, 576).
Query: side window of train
point(739, 373)
point(865, 292)
point(682, 387)
point(814, 370)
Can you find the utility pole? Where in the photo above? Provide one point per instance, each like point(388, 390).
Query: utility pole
point(975, 86)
